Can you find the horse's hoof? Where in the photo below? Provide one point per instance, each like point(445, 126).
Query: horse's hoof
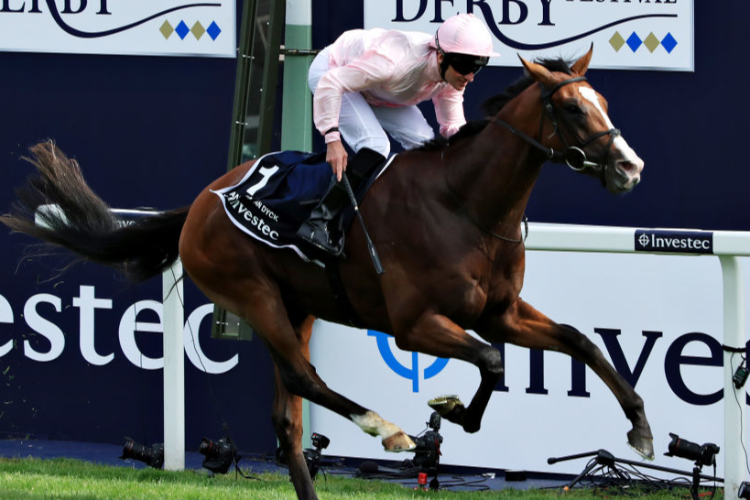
point(449, 407)
point(444, 404)
point(399, 442)
point(642, 445)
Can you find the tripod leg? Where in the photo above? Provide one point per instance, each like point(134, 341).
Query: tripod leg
point(696, 482)
point(554, 460)
point(588, 469)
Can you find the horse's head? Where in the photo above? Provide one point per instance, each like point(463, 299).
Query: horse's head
point(581, 127)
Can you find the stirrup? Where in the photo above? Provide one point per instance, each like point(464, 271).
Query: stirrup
point(319, 236)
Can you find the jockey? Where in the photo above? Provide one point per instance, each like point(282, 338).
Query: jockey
point(369, 82)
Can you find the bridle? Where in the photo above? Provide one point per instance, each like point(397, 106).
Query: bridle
point(572, 156)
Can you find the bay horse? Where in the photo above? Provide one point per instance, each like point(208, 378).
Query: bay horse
point(446, 221)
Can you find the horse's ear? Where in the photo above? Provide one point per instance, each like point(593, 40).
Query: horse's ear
point(582, 64)
point(538, 72)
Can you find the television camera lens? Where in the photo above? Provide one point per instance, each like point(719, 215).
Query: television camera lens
point(152, 456)
point(219, 454)
point(319, 441)
point(703, 455)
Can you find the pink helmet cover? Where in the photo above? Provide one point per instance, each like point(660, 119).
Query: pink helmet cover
point(464, 34)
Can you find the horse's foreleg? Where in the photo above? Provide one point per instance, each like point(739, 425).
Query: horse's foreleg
point(524, 326)
point(438, 336)
point(270, 319)
point(287, 420)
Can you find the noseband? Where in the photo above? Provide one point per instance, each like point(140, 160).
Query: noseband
point(573, 156)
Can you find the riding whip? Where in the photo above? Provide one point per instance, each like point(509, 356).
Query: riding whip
point(370, 247)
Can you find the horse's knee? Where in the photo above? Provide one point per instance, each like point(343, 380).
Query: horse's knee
point(287, 429)
point(402, 341)
point(491, 361)
point(284, 418)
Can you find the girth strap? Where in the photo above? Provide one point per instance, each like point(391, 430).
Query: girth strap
point(339, 292)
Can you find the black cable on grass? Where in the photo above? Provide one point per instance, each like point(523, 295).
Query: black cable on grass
point(628, 480)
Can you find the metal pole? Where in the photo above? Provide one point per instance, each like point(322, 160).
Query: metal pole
point(734, 399)
point(296, 117)
point(174, 369)
point(270, 77)
point(225, 324)
point(242, 81)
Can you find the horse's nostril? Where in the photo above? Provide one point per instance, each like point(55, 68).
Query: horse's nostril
point(626, 166)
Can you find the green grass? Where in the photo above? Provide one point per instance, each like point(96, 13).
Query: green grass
point(35, 479)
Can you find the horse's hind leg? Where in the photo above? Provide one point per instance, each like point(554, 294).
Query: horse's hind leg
point(287, 420)
point(524, 326)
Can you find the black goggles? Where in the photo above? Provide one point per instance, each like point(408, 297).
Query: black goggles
point(465, 64)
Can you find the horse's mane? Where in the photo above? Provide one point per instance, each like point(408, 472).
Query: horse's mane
point(494, 104)
point(470, 129)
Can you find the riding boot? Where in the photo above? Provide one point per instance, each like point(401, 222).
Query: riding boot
point(316, 229)
point(362, 165)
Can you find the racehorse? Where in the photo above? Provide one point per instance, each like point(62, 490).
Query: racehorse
point(446, 220)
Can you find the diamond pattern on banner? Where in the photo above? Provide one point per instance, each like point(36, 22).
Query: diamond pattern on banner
point(213, 30)
point(182, 30)
point(669, 43)
point(651, 42)
point(617, 41)
point(198, 30)
point(634, 42)
point(166, 30)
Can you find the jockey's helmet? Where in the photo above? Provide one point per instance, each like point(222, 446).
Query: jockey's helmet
point(465, 42)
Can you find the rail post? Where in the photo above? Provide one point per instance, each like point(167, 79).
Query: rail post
point(734, 399)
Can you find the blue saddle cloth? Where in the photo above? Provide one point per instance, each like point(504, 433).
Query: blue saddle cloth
point(277, 195)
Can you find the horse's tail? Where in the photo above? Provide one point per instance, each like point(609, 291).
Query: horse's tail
point(77, 219)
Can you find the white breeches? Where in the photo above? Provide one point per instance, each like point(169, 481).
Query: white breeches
point(364, 126)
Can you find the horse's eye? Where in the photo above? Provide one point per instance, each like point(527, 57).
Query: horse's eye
point(573, 109)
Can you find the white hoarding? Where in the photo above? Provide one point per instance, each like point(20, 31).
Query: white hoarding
point(627, 34)
point(133, 27)
point(658, 318)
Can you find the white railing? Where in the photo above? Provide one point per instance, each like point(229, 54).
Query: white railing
point(174, 368)
point(728, 246)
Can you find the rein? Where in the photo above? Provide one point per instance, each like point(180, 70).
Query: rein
point(573, 156)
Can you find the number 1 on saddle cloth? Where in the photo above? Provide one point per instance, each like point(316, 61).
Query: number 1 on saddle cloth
point(272, 201)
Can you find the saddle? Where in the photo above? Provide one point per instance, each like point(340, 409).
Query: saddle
point(277, 195)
